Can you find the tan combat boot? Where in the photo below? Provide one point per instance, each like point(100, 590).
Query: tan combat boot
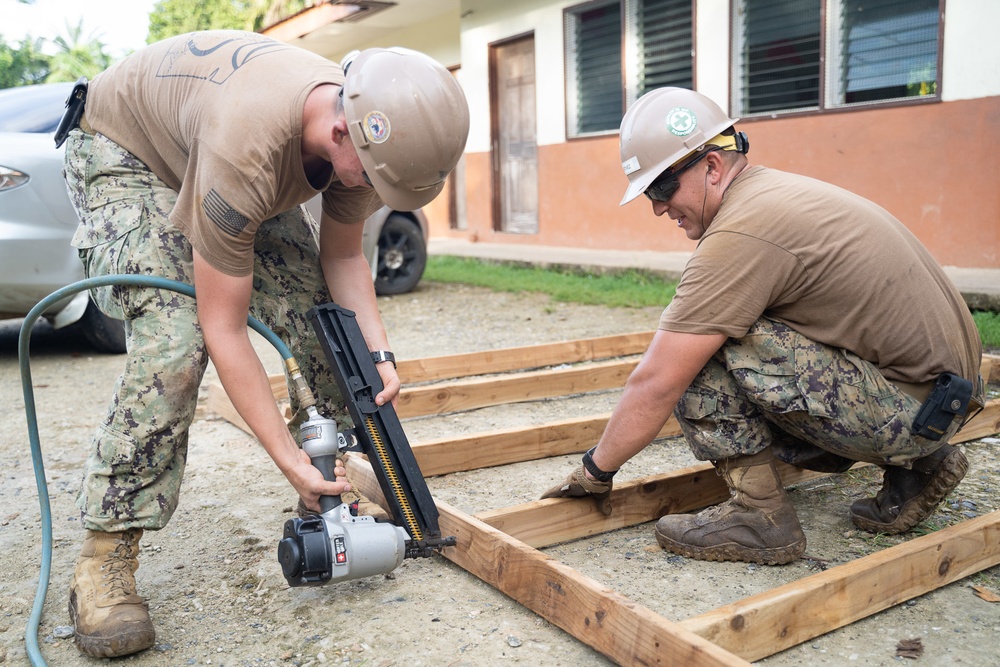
point(109, 618)
point(757, 524)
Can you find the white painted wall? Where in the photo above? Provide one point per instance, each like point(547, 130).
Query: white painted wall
point(712, 44)
point(971, 50)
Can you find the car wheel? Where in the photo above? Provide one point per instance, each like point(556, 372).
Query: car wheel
point(402, 256)
point(104, 333)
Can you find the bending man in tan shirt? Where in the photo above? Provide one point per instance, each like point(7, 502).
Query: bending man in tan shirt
point(191, 162)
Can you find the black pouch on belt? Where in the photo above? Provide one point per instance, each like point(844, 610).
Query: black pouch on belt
point(74, 110)
point(948, 399)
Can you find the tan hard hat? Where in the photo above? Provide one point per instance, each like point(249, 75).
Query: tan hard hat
point(663, 127)
point(409, 121)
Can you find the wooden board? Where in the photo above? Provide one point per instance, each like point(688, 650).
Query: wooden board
point(626, 632)
point(753, 628)
point(783, 617)
point(512, 445)
point(505, 360)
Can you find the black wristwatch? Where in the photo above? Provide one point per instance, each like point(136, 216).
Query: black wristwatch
point(595, 472)
point(378, 356)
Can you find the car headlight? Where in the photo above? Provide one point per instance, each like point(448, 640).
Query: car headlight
point(11, 178)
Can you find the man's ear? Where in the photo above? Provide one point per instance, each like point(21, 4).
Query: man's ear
point(340, 131)
point(714, 162)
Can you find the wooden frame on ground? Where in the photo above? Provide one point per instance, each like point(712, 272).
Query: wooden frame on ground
point(501, 546)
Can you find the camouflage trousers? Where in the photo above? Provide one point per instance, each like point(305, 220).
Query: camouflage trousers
point(774, 386)
point(133, 473)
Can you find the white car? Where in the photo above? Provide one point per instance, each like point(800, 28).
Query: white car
point(37, 222)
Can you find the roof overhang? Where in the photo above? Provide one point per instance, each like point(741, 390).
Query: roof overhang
point(335, 27)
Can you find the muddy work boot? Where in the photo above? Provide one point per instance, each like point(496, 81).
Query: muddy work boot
point(756, 525)
point(907, 497)
point(109, 618)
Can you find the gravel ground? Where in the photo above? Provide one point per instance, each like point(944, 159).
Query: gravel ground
point(217, 595)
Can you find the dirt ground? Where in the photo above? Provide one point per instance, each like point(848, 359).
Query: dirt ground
point(215, 588)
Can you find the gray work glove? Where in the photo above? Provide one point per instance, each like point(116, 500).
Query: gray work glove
point(579, 485)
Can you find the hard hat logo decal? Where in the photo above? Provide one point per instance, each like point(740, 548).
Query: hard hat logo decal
point(376, 127)
point(681, 121)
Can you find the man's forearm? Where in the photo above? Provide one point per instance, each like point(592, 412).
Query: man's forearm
point(245, 381)
point(635, 422)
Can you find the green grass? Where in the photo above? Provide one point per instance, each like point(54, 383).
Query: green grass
point(632, 288)
point(989, 328)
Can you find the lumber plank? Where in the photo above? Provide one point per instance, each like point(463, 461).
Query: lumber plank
point(217, 401)
point(441, 398)
point(529, 386)
point(624, 631)
point(542, 523)
point(764, 624)
point(431, 400)
point(610, 623)
point(990, 368)
point(493, 448)
point(504, 360)
point(983, 425)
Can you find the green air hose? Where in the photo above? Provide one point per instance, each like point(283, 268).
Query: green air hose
point(31, 631)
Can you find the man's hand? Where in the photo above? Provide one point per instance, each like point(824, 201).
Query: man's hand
point(578, 485)
point(309, 483)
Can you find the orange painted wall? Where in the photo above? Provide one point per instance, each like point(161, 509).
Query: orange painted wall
point(936, 167)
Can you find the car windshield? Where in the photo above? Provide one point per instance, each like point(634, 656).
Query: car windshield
point(33, 108)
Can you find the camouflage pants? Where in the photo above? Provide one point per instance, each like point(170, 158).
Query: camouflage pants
point(133, 474)
point(775, 386)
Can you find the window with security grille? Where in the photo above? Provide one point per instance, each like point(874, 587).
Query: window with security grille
point(617, 50)
point(876, 51)
point(888, 50)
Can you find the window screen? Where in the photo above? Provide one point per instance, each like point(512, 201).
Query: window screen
point(617, 50)
point(888, 49)
point(664, 36)
point(779, 48)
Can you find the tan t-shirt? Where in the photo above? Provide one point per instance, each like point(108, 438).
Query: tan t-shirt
point(833, 266)
point(217, 115)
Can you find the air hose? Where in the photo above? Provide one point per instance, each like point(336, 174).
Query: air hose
point(31, 631)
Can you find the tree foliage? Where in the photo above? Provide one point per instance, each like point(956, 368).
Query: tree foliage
point(24, 64)
point(76, 57)
point(175, 17)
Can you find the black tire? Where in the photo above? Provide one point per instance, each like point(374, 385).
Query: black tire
point(402, 256)
point(105, 334)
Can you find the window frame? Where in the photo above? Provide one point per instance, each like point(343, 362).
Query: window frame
point(829, 68)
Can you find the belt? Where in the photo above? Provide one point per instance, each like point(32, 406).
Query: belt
point(919, 391)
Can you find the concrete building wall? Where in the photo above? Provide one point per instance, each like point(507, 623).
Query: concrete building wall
point(932, 165)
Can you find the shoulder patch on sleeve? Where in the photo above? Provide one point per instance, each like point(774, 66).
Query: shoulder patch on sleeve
point(223, 215)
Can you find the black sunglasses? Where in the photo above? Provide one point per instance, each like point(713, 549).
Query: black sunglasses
point(666, 184)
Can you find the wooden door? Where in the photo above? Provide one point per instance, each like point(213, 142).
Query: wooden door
point(515, 154)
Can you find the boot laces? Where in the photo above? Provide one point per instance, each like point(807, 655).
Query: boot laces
point(119, 577)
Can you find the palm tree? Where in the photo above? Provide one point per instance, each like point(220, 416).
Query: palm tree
point(75, 57)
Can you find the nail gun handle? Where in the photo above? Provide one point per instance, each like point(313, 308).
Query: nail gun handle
point(327, 465)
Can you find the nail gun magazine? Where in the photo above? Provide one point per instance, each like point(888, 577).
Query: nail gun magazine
point(338, 545)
